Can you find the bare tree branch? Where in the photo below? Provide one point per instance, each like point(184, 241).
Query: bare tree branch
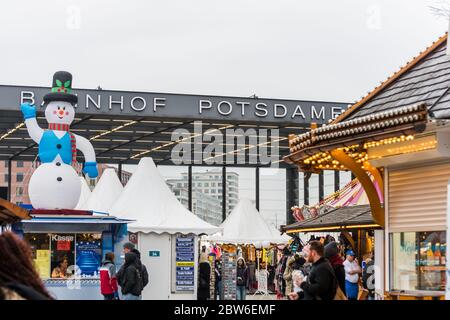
point(441, 9)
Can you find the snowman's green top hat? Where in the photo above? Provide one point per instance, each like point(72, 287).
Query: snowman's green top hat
point(61, 88)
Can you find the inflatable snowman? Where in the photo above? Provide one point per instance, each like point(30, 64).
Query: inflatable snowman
point(55, 184)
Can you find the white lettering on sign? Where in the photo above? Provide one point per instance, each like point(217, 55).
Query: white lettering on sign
point(243, 105)
point(143, 103)
point(219, 108)
point(276, 107)
point(335, 112)
point(320, 115)
point(261, 107)
point(298, 112)
point(27, 96)
point(224, 108)
point(204, 104)
point(158, 102)
point(111, 102)
point(57, 237)
point(95, 103)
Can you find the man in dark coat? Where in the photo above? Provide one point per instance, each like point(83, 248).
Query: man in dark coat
point(321, 282)
point(130, 247)
point(129, 278)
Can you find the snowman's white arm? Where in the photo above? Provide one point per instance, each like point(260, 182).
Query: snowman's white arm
point(34, 130)
point(86, 148)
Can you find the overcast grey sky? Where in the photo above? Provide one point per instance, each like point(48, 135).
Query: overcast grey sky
point(327, 50)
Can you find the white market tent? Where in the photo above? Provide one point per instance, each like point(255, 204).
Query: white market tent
point(245, 225)
point(105, 193)
point(147, 199)
point(159, 220)
point(84, 195)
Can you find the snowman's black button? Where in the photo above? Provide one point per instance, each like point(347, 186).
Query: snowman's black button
point(59, 179)
point(58, 146)
point(58, 164)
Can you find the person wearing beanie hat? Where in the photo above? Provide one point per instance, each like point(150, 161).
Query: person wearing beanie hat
point(128, 247)
point(331, 252)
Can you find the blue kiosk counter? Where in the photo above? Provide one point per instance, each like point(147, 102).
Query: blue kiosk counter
point(68, 247)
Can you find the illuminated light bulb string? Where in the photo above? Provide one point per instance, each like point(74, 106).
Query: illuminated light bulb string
point(324, 161)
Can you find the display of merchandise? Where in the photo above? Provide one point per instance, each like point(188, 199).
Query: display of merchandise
point(229, 275)
point(212, 278)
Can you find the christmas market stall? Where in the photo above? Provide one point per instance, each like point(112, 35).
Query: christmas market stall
point(165, 232)
point(399, 134)
point(68, 247)
point(246, 234)
point(345, 215)
point(11, 213)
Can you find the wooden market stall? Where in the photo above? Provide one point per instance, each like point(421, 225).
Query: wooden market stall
point(399, 134)
point(11, 213)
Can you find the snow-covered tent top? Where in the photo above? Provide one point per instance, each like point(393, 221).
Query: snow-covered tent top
point(245, 225)
point(105, 193)
point(85, 193)
point(147, 199)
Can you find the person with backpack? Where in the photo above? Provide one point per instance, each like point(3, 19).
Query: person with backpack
point(108, 280)
point(130, 247)
point(331, 251)
point(321, 283)
point(129, 278)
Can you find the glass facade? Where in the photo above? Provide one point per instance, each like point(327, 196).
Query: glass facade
point(418, 260)
point(272, 195)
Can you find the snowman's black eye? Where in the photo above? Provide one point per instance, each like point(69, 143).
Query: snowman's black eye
point(58, 107)
point(64, 108)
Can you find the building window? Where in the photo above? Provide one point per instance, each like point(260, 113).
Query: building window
point(6, 163)
point(19, 191)
point(206, 184)
point(206, 191)
point(6, 177)
point(418, 260)
point(219, 184)
point(199, 184)
point(213, 191)
point(19, 164)
point(19, 177)
point(53, 252)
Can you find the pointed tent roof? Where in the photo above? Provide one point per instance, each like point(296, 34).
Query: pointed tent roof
point(85, 193)
point(246, 225)
point(147, 199)
point(105, 193)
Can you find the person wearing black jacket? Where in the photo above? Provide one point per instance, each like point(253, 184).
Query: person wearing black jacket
point(203, 291)
point(129, 278)
point(141, 267)
point(321, 282)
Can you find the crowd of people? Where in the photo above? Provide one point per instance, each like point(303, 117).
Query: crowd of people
point(324, 270)
point(19, 279)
